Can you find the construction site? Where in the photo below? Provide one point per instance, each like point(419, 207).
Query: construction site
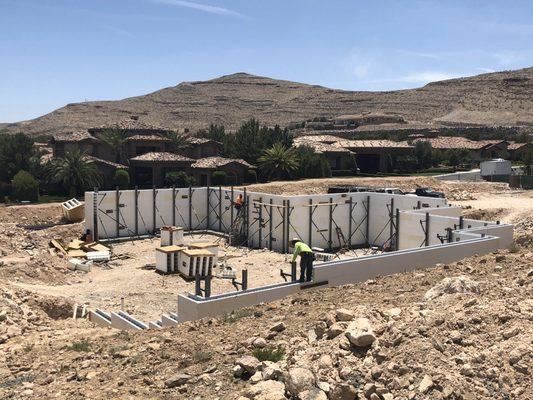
point(181, 259)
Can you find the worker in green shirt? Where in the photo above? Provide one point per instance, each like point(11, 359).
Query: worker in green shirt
point(306, 259)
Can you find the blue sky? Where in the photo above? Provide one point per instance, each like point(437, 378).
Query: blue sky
point(53, 52)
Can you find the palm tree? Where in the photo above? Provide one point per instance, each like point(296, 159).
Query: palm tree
point(279, 161)
point(75, 171)
point(178, 141)
point(116, 139)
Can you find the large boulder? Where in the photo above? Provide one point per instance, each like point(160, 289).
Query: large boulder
point(360, 333)
point(266, 390)
point(458, 284)
point(342, 314)
point(298, 380)
point(248, 364)
point(313, 394)
point(177, 380)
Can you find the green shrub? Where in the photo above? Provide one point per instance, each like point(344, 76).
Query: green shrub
point(25, 187)
point(122, 179)
point(251, 176)
point(219, 178)
point(269, 354)
point(81, 346)
point(178, 179)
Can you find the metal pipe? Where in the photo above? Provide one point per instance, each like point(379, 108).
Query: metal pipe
point(350, 205)
point(173, 205)
point(153, 208)
point(244, 279)
point(136, 206)
point(427, 229)
point(117, 205)
point(368, 220)
point(270, 225)
point(208, 208)
point(311, 210)
point(330, 225)
point(220, 208)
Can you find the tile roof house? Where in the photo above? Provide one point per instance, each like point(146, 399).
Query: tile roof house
point(146, 153)
point(235, 169)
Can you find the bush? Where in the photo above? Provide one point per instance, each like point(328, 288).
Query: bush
point(122, 179)
point(251, 176)
point(25, 187)
point(269, 354)
point(178, 179)
point(81, 346)
point(219, 178)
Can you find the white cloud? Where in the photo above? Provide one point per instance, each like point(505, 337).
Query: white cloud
point(202, 7)
point(358, 65)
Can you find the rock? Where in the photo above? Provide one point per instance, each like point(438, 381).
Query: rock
point(458, 284)
point(425, 384)
point(394, 312)
point(248, 363)
point(343, 391)
point(279, 327)
point(325, 361)
point(374, 396)
point(259, 343)
point(299, 379)
point(320, 329)
point(177, 380)
point(360, 333)
point(511, 332)
point(467, 370)
point(368, 389)
point(387, 396)
point(238, 371)
point(313, 394)
point(270, 370)
point(266, 390)
point(257, 377)
point(342, 314)
point(3, 315)
point(335, 330)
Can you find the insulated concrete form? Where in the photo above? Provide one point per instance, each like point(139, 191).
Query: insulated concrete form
point(326, 221)
point(124, 321)
point(464, 244)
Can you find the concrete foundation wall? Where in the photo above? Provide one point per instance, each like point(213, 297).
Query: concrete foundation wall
point(343, 272)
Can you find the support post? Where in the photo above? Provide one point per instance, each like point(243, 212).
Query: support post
point(293, 271)
point(260, 222)
point(284, 247)
point(288, 221)
point(173, 205)
point(231, 211)
point(136, 206)
point(391, 222)
point(350, 206)
point(397, 244)
point(95, 214)
point(461, 222)
point(246, 215)
point(190, 208)
point(153, 208)
point(427, 230)
point(310, 222)
point(367, 220)
point(244, 279)
point(330, 224)
point(197, 287)
point(207, 286)
point(117, 209)
point(270, 225)
point(208, 208)
point(220, 208)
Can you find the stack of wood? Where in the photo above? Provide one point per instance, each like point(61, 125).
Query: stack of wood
point(80, 249)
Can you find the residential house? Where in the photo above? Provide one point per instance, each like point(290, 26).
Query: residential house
point(202, 170)
point(147, 154)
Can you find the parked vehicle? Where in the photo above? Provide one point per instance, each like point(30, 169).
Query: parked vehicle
point(349, 189)
point(389, 190)
point(428, 192)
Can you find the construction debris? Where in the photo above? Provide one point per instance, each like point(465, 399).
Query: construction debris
point(73, 210)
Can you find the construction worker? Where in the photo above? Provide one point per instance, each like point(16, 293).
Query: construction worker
point(306, 259)
point(239, 203)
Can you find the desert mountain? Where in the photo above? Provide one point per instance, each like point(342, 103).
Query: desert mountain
point(494, 99)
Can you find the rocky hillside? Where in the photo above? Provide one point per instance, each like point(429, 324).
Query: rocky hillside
point(459, 331)
point(502, 98)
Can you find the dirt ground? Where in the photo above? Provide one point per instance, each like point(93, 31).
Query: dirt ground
point(148, 294)
point(472, 345)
